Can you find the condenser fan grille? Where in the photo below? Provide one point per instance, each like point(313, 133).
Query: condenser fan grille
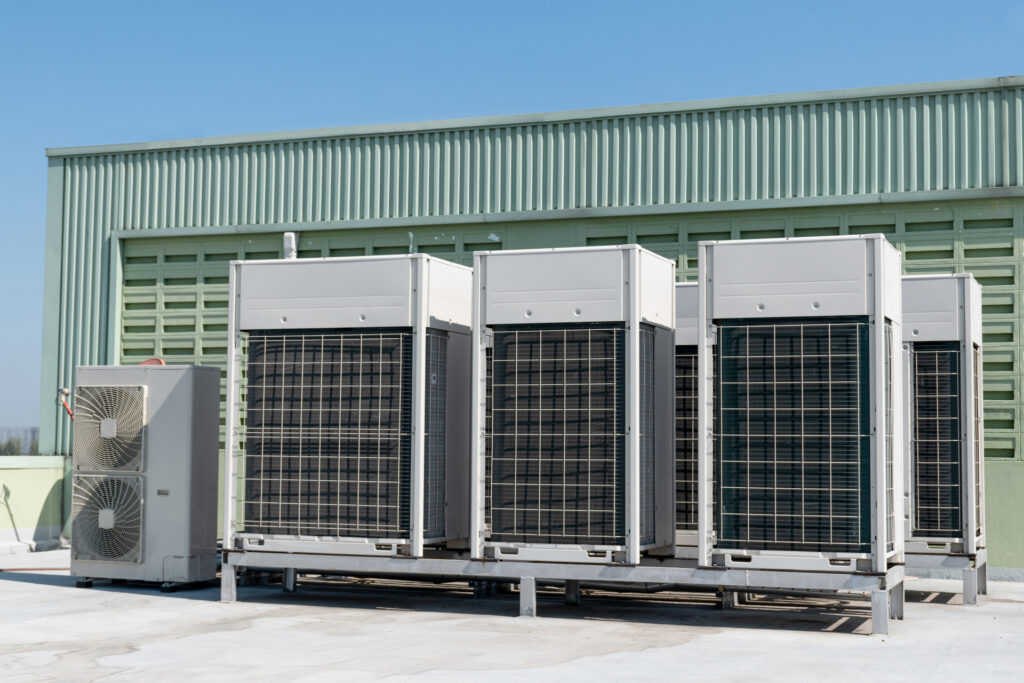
point(107, 518)
point(109, 423)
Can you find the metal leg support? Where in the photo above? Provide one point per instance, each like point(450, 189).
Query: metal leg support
point(896, 600)
point(880, 612)
point(983, 579)
point(971, 586)
point(727, 599)
point(527, 596)
point(288, 579)
point(228, 583)
point(572, 592)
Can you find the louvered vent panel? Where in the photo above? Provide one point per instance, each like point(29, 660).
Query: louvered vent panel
point(557, 446)
point(793, 435)
point(328, 424)
point(937, 455)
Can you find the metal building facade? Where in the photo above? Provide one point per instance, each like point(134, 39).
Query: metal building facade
point(139, 236)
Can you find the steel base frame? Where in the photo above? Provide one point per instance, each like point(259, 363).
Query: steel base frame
point(974, 569)
point(886, 589)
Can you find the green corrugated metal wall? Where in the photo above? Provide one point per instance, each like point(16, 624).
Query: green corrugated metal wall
point(138, 240)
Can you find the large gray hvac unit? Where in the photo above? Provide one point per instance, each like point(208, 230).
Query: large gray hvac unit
point(945, 473)
point(348, 398)
point(797, 426)
point(575, 461)
point(144, 473)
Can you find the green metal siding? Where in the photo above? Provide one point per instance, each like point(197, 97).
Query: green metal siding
point(954, 140)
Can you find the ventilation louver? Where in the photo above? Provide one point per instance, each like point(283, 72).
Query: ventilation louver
point(107, 514)
point(109, 425)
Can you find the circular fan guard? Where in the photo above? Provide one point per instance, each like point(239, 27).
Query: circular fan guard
point(93, 498)
point(126, 407)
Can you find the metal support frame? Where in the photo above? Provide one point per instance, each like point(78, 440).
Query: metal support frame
point(880, 612)
point(228, 583)
point(288, 579)
point(572, 592)
point(527, 596)
point(649, 571)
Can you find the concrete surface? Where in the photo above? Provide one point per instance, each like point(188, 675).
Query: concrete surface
point(359, 630)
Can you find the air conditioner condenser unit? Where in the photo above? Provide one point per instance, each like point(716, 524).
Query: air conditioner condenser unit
point(348, 381)
point(798, 422)
point(144, 473)
point(573, 404)
point(945, 473)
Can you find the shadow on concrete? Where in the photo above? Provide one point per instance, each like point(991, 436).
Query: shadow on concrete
point(209, 591)
point(668, 608)
point(934, 597)
point(815, 614)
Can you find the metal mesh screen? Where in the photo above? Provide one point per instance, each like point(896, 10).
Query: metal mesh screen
point(327, 434)
point(979, 469)
point(890, 519)
point(937, 459)
point(488, 432)
point(793, 435)
point(435, 434)
point(646, 434)
point(686, 438)
point(557, 442)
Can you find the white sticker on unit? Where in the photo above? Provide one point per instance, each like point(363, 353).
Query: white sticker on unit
point(108, 428)
point(106, 518)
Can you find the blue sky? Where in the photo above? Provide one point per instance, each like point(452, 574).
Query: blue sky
point(101, 72)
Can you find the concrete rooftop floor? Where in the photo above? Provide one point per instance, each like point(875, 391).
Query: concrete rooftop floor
point(359, 630)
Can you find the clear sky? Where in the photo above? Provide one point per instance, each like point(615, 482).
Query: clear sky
point(98, 72)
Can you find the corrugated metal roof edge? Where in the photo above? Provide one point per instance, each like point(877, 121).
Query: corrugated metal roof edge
point(552, 117)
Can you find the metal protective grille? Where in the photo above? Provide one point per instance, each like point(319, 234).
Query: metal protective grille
point(109, 428)
point(979, 470)
point(106, 518)
point(435, 434)
point(793, 429)
point(937, 458)
point(557, 446)
point(646, 434)
point(327, 436)
point(686, 438)
point(890, 519)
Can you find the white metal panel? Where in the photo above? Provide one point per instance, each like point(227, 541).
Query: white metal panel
point(686, 313)
point(545, 286)
point(932, 308)
point(325, 293)
point(450, 295)
point(657, 282)
point(972, 304)
point(791, 278)
point(892, 285)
